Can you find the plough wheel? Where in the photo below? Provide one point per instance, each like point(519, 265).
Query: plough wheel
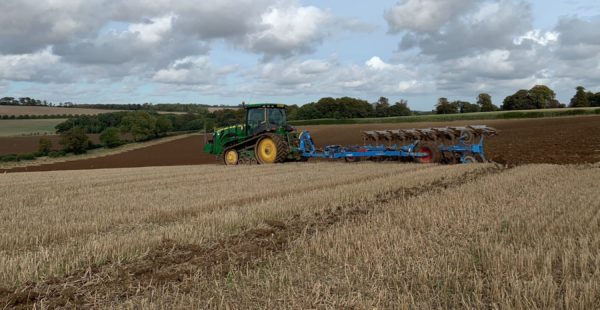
point(432, 151)
point(271, 149)
point(469, 160)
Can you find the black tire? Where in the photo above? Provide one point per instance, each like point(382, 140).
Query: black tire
point(432, 149)
point(281, 148)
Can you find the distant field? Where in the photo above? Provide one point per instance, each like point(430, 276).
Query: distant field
point(24, 110)
point(20, 127)
point(302, 236)
point(50, 111)
point(456, 117)
point(212, 109)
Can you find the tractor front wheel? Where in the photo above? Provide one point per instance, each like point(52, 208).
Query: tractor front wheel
point(231, 157)
point(271, 149)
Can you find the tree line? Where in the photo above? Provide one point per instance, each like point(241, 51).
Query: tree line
point(198, 115)
point(144, 125)
point(159, 107)
point(24, 101)
point(347, 107)
point(538, 97)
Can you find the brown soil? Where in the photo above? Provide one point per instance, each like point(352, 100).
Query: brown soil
point(171, 263)
point(29, 144)
point(567, 140)
point(185, 151)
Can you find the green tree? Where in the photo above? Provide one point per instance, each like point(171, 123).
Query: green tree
point(74, 140)
point(382, 107)
point(580, 99)
point(399, 108)
point(163, 125)
point(594, 99)
point(518, 101)
point(445, 107)
point(110, 137)
point(44, 146)
point(292, 112)
point(538, 97)
point(485, 103)
point(308, 111)
point(140, 124)
point(467, 107)
point(542, 97)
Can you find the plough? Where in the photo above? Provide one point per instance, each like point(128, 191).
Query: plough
point(446, 145)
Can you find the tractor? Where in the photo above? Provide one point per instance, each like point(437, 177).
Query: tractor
point(265, 137)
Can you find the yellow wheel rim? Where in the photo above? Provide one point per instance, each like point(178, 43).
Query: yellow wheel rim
point(231, 157)
point(267, 151)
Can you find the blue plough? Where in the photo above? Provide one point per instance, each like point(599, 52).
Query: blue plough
point(434, 145)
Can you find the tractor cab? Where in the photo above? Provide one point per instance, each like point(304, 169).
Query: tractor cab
point(265, 117)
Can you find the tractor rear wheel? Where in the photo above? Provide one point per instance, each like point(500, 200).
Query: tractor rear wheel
point(271, 149)
point(431, 149)
point(231, 157)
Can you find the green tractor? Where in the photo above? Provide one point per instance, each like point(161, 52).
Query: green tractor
point(265, 137)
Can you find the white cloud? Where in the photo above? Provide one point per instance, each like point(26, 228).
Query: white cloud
point(373, 79)
point(314, 66)
point(288, 30)
point(192, 70)
point(408, 86)
point(28, 67)
point(377, 64)
point(483, 26)
point(154, 30)
point(537, 36)
point(424, 15)
point(493, 63)
point(486, 45)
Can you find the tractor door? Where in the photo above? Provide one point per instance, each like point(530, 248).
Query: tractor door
point(255, 121)
point(276, 117)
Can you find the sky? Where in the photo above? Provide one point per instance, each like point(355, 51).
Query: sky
point(293, 51)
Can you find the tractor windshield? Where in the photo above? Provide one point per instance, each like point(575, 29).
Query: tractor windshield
point(277, 117)
point(260, 119)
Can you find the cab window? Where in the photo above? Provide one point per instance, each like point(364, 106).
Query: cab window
point(255, 118)
point(277, 117)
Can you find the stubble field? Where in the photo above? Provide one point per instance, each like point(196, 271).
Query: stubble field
point(316, 235)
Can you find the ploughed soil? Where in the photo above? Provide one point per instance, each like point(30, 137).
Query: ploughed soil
point(184, 151)
point(30, 144)
point(565, 140)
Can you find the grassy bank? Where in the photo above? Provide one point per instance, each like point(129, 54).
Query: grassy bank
point(455, 117)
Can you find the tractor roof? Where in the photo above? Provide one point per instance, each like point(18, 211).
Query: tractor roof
point(265, 105)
